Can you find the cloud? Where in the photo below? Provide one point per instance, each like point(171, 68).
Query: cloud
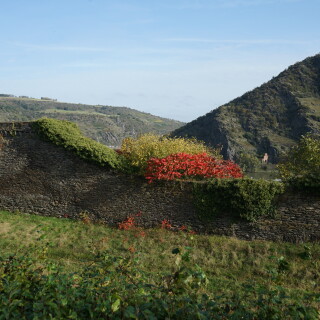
point(38, 47)
point(238, 3)
point(205, 4)
point(240, 41)
point(144, 21)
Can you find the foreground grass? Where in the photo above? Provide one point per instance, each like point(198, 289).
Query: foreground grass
point(227, 262)
point(62, 269)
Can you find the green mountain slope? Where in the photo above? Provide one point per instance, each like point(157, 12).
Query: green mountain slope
point(270, 118)
point(108, 125)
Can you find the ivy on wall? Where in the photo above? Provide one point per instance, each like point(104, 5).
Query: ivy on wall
point(68, 135)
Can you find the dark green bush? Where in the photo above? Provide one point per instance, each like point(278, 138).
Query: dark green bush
point(68, 135)
point(307, 183)
point(115, 288)
point(245, 198)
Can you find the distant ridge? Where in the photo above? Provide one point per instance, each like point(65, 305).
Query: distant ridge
point(270, 118)
point(106, 124)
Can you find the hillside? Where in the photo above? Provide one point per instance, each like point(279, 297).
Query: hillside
point(270, 118)
point(108, 125)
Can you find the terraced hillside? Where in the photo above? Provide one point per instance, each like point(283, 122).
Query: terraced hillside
point(270, 118)
point(108, 125)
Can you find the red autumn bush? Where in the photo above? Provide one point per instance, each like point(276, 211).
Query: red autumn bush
point(181, 165)
point(127, 224)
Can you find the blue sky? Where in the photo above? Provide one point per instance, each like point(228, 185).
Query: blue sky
point(178, 59)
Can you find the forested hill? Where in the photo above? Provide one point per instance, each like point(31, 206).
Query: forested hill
point(270, 118)
point(108, 125)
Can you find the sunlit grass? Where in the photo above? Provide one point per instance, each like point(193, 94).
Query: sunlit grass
point(228, 262)
point(85, 112)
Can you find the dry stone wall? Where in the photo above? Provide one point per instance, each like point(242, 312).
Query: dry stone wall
point(38, 177)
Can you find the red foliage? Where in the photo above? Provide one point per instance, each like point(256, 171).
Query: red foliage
point(132, 249)
point(130, 224)
point(182, 165)
point(139, 214)
point(127, 224)
point(141, 234)
point(165, 224)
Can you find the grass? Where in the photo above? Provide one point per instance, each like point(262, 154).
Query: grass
point(267, 172)
point(313, 104)
point(227, 262)
point(81, 112)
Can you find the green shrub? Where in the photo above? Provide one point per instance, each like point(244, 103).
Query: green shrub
point(68, 135)
point(137, 151)
point(248, 162)
point(301, 167)
point(246, 198)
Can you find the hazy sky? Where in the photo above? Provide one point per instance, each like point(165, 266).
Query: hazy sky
point(174, 58)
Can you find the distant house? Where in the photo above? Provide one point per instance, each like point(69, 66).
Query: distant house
point(265, 159)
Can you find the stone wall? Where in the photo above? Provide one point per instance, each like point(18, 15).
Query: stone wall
point(38, 177)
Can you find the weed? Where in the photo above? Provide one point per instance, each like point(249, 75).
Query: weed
point(85, 217)
point(127, 224)
point(306, 254)
point(165, 224)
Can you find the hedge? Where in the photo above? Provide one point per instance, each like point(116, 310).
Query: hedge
point(242, 198)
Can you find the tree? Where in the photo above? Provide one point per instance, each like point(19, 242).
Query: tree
point(301, 166)
point(248, 162)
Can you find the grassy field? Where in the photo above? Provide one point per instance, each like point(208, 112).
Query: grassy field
point(267, 172)
point(227, 262)
point(62, 269)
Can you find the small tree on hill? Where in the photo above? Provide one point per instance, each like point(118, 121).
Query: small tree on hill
point(248, 162)
point(301, 166)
